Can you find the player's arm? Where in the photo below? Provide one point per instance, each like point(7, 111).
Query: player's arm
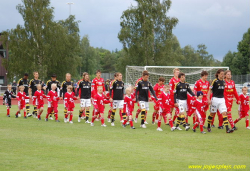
point(136, 91)
point(18, 84)
point(153, 92)
point(111, 91)
point(195, 87)
point(236, 95)
point(189, 90)
point(30, 88)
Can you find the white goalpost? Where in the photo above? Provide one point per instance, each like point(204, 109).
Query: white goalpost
point(192, 73)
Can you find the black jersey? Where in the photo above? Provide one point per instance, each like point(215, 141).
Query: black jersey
point(107, 87)
point(117, 87)
point(33, 84)
point(181, 90)
point(64, 86)
point(25, 83)
point(142, 87)
point(49, 83)
point(218, 87)
point(7, 97)
point(84, 88)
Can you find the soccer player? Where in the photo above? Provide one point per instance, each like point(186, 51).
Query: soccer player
point(139, 109)
point(64, 86)
point(128, 107)
point(218, 101)
point(244, 107)
point(8, 94)
point(116, 96)
point(69, 98)
point(48, 88)
point(32, 89)
point(38, 97)
point(199, 106)
point(172, 82)
point(180, 100)
point(229, 93)
point(203, 85)
point(99, 102)
point(142, 95)
point(158, 88)
point(84, 88)
point(21, 96)
point(165, 103)
point(53, 99)
point(25, 82)
point(190, 104)
point(108, 95)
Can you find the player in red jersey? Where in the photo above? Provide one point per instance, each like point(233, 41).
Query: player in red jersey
point(7, 96)
point(203, 85)
point(99, 102)
point(229, 93)
point(158, 88)
point(190, 105)
point(53, 99)
point(69, 98)
point(172, 82)
point(244, 107)
point(165, 104)
point(139, 109)
point(21, 96)
point(38, 97)
point(98, 82)
point(128, 107)
point(199, 106)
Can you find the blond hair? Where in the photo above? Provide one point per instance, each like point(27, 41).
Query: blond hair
point(176, 69)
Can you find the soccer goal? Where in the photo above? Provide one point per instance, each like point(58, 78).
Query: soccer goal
point(192, 73)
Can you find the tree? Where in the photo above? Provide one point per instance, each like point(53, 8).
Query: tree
point(146, 32)
point(42, 44)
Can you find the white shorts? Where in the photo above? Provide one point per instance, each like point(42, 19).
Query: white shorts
point(85, 103)
point(182, 105)
point(144, 105)
point(218, 104)
point(27, 101)
point(118, 104)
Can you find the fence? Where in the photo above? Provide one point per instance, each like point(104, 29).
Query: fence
point(241, 79)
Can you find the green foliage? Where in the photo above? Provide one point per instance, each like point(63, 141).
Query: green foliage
point(42, 44)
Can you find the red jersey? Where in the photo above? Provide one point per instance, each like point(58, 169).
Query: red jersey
point(158, 89)
point(244, 102)
point(128, 104)
point(202, 86)
point(99, 102)
point(190, 101)
point(52, 97)
point(69, 100)
point(199, 107)
point(21, 96)
point(172, 83)
point(165, 101)
point(230, 91)
point(97, 83)
point(38, 97)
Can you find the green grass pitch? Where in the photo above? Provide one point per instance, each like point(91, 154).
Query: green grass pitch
point(29, 144)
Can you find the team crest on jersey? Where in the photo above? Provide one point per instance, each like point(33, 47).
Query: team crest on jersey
point(181, 87)
point(142, 84)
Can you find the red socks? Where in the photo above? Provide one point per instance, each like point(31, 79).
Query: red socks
point(153, 117)
point(70, 117)
point(165, 118)
point(170, 122)
point(175, 116)
point(157, 116)
point(236, 121)
point(159, 123)
point(195, 125)
point(201, 128)
point(230, 119)
point(186, 119)
point(8, 111)
point(194, 119)
point(56, 116)
point(102, 121)
point(24, 114)
point(93, 119)
point(137, 113)
point(247, 123)
point(131, 123)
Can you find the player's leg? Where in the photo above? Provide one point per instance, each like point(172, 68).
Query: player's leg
point(55, 108)
point(27, 106)
point(170, 121)
point(137, 112)
point(229, 115)
point(49, 109)
point(102, 118)
point(247, 121)
point(113, 113)
point(94, 117)
point(66, 115)
point(70, 113)
point(24, 113)
point(143, 113)
point(87, 112)
point(159, 121)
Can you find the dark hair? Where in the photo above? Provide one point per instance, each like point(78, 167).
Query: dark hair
point(85, 73)
point(218, 72)
point(203, 73)
point(98, 71)
point(53, 75)
point(145, 73)
point(181, 74)
point(115, 74)
point(162, 79)
point(26, 74)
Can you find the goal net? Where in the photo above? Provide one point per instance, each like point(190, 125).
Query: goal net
point(192, 73)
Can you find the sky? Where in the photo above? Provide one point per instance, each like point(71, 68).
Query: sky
point(219, 24)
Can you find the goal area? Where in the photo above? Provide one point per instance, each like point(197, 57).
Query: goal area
point(192, 73)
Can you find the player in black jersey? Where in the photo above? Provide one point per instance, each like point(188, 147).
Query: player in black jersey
point(142, 95)
point(84, 89)
point(218, 101)
point(48, 88)
point(8, 94)
point(63, 90)
point(180, 100)
point(25, 82)
point(116, 96)
point(32, 89)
